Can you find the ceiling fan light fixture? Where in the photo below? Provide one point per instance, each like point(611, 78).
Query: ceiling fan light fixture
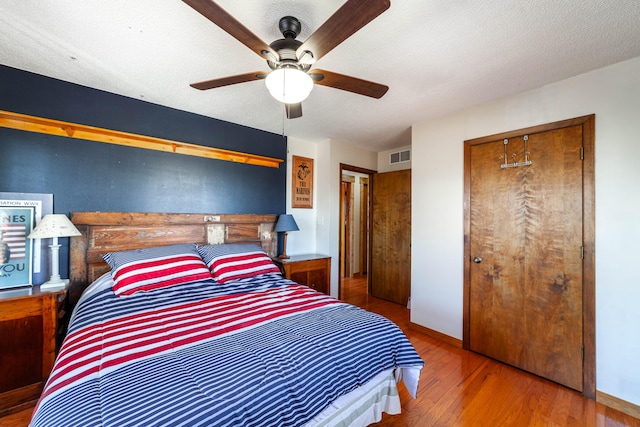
point(289, 85)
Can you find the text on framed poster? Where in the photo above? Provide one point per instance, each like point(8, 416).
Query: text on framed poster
point(302, 179)
point(23, 262)
point(16, 222)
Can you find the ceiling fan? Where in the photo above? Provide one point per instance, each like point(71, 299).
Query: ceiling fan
point(290, 60)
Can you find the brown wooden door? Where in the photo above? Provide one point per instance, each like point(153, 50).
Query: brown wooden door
point(364, 226)
point(391, 236)
point(526, 246)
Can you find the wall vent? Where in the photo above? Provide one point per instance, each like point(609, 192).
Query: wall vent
point(400, 157)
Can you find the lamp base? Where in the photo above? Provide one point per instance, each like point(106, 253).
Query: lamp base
point(54, 285)
point(283, 256)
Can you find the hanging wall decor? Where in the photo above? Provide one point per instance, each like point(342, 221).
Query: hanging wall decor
point(23, 262)
point(302, 179)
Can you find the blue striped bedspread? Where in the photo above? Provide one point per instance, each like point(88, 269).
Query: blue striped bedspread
point(263, 351)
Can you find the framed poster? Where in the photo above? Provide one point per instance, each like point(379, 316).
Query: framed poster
point(23, 261)
point(302, 179)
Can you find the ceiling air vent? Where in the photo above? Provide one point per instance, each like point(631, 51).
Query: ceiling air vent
point(400, 157)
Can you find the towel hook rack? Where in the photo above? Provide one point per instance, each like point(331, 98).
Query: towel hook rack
point(516, 164)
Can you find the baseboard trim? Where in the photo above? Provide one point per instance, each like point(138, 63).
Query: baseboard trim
point(437, 335)
point(601, 397)
point(617, 403)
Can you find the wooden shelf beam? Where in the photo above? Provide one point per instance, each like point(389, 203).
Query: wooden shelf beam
point(73, 130)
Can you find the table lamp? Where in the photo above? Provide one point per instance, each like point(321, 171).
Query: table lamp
point(285, 223)
point(54, 226)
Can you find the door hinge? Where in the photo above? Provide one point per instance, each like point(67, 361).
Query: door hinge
point(581, 153)
point(582, 252)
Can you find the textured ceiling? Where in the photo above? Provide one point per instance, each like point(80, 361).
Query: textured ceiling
point(436, 56)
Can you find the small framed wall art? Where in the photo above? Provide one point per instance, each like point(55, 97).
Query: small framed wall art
point(302, 179)
point(22, 261)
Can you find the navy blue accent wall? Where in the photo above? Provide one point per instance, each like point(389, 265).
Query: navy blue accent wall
point(92, 176)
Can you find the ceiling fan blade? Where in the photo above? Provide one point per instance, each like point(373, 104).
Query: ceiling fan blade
point(352, 16)
point(231, 80)
point(216, 14)
point(293, 110)
point(348, 83)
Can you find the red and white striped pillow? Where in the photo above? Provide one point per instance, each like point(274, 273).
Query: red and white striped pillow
point(236, 261)
point(144, 270)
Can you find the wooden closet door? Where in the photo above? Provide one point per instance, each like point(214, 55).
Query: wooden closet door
point(526, 246)
point(390, 269)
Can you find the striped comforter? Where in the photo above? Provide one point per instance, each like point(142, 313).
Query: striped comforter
point(255, 352)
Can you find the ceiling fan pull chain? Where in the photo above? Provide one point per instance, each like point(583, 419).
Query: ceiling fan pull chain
point(284, 116)
point(284, 85)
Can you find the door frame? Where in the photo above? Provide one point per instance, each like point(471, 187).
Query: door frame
point(363, 260)
point(346, 226)
point(370, 173)
point(588, 221)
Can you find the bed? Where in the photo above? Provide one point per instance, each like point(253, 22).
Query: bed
point(185, 320)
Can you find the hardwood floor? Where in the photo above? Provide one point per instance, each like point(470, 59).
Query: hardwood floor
point(461, 388)
point(19, 419)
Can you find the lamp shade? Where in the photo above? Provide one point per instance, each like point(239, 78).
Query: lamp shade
point(289, 85)
point(54, 225)
point(286, 223)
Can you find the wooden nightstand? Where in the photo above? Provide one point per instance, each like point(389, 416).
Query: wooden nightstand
point(312, 270)
point(29, 337)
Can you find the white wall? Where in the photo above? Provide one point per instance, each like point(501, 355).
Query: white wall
point(304, 240)
point(327, 155)
point(385, 166)
point(613, 94)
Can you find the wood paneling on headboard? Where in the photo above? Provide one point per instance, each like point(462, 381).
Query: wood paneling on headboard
point(104, 232)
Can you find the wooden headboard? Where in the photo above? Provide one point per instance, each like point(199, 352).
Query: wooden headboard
point(104, 232)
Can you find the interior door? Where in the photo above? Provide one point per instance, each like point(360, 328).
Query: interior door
point(346, 229)
point(526, 249)
point(364, 226)
point(390, 267)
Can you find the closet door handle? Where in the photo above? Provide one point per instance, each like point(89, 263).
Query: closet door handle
point(477, 260)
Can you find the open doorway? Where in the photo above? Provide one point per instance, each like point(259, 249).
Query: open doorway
point(355, 220)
